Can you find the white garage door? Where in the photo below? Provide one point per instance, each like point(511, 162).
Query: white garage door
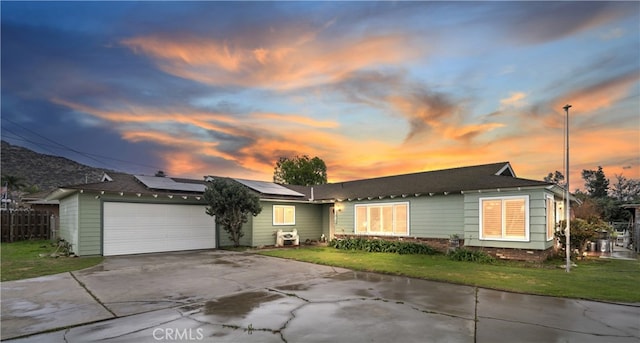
point(133, 228)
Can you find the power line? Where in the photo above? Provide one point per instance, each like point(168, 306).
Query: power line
point(54, 142)
point(19, 137)
point(64, 147)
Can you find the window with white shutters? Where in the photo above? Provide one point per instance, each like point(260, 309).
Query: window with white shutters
point(504, 218)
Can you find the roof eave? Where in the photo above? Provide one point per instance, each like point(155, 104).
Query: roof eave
point(60, 193)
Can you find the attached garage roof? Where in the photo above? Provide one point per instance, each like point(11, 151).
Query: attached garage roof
point(126, 184)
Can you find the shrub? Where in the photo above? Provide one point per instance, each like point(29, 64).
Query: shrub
point(470, 256)
point(582, 231)
point(379, 245)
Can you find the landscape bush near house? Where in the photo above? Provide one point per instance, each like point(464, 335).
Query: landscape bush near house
point(467, 255)
point(582, 231)
point(378, 245)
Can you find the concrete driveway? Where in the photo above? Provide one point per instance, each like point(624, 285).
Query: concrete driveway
point(221, 296)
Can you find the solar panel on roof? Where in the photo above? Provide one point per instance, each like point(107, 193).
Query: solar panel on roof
point(269, 188)
point(169, 184)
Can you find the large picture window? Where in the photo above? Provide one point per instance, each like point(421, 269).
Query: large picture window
point(382, 219)
point(284, 215)
point(505, 218)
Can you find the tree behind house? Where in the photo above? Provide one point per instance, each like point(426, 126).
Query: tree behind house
point(596, 183)
point(300, 170)
point(231, 203)
point(555, 177)
point(625, 190)
point(605, 201)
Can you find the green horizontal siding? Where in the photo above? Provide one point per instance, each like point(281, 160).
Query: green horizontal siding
point(90, 225)
point(437, 216)
point(246, 240)
point(308, 218)
point(326, 219)
point(429, 216)
point(69, 221)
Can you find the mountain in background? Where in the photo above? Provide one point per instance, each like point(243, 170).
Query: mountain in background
point(45, 171)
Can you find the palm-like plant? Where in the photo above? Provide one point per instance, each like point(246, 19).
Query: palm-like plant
point(13, 183)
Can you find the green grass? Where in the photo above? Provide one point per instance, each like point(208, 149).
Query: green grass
point(594, 279)
point(21, 260)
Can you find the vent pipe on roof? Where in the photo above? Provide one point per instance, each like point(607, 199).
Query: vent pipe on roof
point(312, 198)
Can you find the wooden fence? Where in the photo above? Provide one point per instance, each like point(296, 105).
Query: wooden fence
point(20, 225)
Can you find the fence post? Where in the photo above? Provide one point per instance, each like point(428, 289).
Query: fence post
point(52, 228)
point(11, 227)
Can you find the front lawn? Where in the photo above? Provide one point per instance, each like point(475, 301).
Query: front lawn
point(595, 279)
point(21, 260)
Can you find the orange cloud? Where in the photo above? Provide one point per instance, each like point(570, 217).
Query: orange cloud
point(184, 163)
point(281, 65)
point(189, 51)
point(601, 95)
point(296, 119)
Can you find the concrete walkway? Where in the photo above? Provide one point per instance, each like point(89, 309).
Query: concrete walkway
point(216, 296)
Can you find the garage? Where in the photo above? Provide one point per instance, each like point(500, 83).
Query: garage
point(137, 228)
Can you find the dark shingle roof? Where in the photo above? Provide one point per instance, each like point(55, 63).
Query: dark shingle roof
point(128, 183)
point(455, 180)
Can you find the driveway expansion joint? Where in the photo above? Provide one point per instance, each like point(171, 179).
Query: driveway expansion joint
point(93, 295)
point(475, 314)
point(559, 328)
point(587, 310)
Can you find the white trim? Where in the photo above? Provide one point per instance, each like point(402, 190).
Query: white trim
point(509, 189)
point(106, 178)
point(284, 208)
point(381, 204)
point(527, 214)
point(290, 201)
point(506, 166)
point(546, 213)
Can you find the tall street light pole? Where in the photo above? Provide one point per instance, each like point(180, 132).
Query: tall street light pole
point(568, 201)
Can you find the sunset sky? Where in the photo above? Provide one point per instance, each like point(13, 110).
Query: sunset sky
point(372, 88)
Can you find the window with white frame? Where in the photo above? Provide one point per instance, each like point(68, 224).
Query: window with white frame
point(551, 217)
point(504, 218)
point(284, 215)
point(382, 219)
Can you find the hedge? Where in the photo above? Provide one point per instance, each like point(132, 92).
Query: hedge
point(379, 245)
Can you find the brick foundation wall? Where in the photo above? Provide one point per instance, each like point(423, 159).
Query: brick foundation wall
point(442, 245)
point(528, 255)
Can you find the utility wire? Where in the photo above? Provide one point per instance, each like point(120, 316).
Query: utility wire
point(43, 145)
point(19, 137)
point(54, 142)
point(64, 147)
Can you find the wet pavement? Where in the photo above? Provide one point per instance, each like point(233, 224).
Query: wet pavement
point(235, 297)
